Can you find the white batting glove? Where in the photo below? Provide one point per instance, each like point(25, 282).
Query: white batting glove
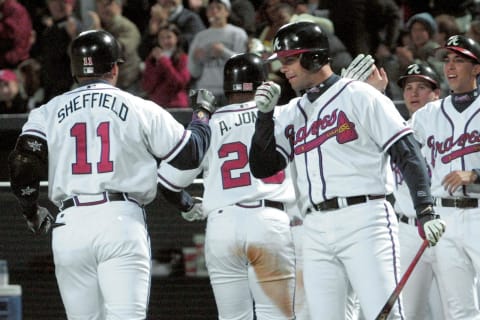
point(430, 227)
point(434, 229)
point(195, 212)
point(267, 95)
point(360, 68)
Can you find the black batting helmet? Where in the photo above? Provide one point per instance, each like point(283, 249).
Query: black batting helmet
point(420, 70)
point(93, 53)
point(462, 45)
point(243, 72)
point(302, 38)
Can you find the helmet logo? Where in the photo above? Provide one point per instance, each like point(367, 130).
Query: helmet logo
point(453, 41)
point(87, 61)
point(88, 65)
point(276, 44)
point(413, 69)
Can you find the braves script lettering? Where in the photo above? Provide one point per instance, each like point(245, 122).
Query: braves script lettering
point(468, 142)
point(331, 125)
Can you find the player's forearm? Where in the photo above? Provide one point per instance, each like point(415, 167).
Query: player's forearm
point(182, 200)
point(407, 156)
point(264, 159)
point(192, 154)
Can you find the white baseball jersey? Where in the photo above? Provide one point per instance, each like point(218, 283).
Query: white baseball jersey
point(365, 127)
point(450, 141)
point(226, 170)
point(121, 132)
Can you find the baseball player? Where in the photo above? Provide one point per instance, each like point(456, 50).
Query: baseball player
point(448, 132)
point(249, 250)
point(420, 85)
point(99, 145)
point(339, 135)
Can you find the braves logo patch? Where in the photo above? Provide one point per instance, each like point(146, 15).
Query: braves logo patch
point(450, 149)
point(334, 125)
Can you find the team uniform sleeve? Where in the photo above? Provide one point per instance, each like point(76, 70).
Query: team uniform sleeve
point(380, 118)
point(264, 159)
point(175, 179)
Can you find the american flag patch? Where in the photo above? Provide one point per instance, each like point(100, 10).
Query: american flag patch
point(248, 86)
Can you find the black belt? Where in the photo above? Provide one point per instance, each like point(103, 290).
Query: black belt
point(406, 219)
point(107, 196)
point(457, 203)
point(262, 203)
point(337, 203)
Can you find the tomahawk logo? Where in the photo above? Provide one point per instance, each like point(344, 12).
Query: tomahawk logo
point(413, 69)
point(453, 41)
point(276, 45)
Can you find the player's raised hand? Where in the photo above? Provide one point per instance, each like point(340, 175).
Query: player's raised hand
point(195, 212)
point(360, 68)
point(40, 221)
point(430, 226)
point(203, 103)
point(267, 95)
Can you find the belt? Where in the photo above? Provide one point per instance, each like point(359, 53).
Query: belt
point(457, 202)
point(338, 202)
point(261, 203)
point(77, 201)
point(406, 219)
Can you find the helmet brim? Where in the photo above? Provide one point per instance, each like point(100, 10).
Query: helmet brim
point(401, 81)
point(286, 53)
point(442, 52)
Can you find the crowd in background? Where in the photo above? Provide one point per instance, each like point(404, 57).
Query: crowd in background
point(171, 46)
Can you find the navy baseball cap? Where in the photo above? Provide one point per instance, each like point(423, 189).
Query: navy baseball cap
point(462, 45)
point(422, 71)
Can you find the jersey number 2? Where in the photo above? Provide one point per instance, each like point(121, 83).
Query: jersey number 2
point(81, 165)
point(240, 162)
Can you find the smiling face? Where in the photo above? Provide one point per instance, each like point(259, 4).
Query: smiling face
point(417, 92)
point(299, 77)
point(460, 72)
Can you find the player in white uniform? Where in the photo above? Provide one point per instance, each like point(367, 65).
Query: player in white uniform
point(100, 146)
point(339, 136)
point(448, 131)
point(248, 245)
point(420, 85)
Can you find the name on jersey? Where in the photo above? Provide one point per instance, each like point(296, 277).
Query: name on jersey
point(332, 125)
point(468, 142)
point(246, 117)
point(93, 100)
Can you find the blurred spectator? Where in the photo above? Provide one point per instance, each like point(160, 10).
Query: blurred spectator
point(199, 7)
point(422, 29)
point(474, 31)
point(365, 26)
point(447, 26)
point(166, 74)
point(108, 16)
point(211, 48)
point(61, 28)
point(10, 99)
point(187, 21)
point(158, 19)
point(16, 33)
point(30, 78)
point(243, 15)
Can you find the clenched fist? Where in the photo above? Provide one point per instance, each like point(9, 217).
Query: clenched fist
point(267, 95)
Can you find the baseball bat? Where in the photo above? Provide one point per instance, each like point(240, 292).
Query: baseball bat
point(396, 292)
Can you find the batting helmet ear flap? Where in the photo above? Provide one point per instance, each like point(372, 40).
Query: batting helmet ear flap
point(314, 60)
